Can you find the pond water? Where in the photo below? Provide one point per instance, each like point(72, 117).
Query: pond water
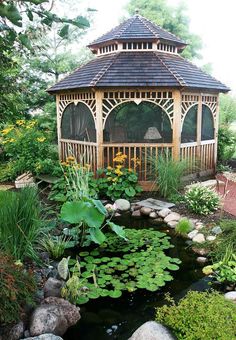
point(107, 318)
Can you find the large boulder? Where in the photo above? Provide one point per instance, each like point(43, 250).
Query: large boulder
point(54, 316)
point(122, 204)
point(45, 337)
point(151, 330)
point(52, 287)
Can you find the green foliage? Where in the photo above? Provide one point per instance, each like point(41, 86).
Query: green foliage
point(227, 110)
point(54, 245)
point(202, 200)
point(27, 147)
point(200, 316)
point(227, 239)
point(20, 225)
point(174, 20)
point(168, 174)
point(136, 263)
point(17, 288)
point(226, 144)
point(184, 226)
point(118, 182)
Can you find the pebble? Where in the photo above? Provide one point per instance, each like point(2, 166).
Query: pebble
point(216, 230)
point(192, 234)
point(201, 259)
point(210, 238)
point(153, 214)
point(199, 238)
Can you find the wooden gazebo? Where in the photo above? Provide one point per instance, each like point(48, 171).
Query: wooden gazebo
point(140, 97)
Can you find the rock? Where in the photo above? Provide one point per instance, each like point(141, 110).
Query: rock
point(45, 337)
point(201, 259)
point(117, 214)
point(200, 251)
point(210, 238)
point(216, 230)
point(172, 224)
point(211, 183)
point(17, 331)
point(199, 238)
point(136, 213)
point(53, 287)
point(153, 214)
point(231, 296)
point(199, 226)
point(164, 212)
point(145, 211)
point(151, 330)
point(155, 204)
point(172, 217)
point(192, 234)
point(122, 204)
point(135, 206)
point(157, 221)
point(54, 315)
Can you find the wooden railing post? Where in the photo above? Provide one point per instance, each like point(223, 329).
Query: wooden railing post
point(177, 124)
point(199, 130)
point(99, 128)
point(216, 131)
point(58, 126)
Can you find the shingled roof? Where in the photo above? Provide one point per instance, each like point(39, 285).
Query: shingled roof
point(138, 69)
point(136, 28)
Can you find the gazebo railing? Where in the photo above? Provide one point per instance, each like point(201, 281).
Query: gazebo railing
point(85, 152)
point(200, 158)
point(138, 156)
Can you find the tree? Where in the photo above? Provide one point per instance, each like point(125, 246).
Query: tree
point(175, 20)
point(227, 110)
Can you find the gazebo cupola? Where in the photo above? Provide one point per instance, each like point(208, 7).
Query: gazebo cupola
point(140, 97)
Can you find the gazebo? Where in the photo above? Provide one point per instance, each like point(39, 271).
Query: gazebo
point(139, 96)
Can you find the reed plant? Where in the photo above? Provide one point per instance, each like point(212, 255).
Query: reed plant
point(20, 225)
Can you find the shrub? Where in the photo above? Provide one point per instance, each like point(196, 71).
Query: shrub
point(20, 225)
point(227, 239)
point(184, 226)
point(26, 147)
point(226, 144)
point(17, 287)
point(200, 316)
point(202, 200)
point(119, 182)
point(55, 246)
point(168, 174)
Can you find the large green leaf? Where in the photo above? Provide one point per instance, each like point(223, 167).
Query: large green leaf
point(13, 14)
point(74, 212)
point(64, 31)
point(97, 235)
point(98, 204)
point(117, 229)
point(25, 40)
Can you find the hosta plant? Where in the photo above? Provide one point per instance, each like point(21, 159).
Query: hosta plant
point(121, 265)
point(202, 200)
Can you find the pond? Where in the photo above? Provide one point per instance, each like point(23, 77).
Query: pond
point(109, 318)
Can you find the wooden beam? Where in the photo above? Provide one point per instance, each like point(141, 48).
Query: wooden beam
point(58, 125)
point(99, 128)
point(199, 126)
point(177, 124)
point(216, 130)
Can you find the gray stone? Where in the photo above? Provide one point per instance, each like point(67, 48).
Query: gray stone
point(199, 226)
point(164, 212)
point(192, 234)
point(172, 217)
point(210, 238)
point(153, 214)
point(231, 296)
point(211, 183)
point(122, 204)
point(155, 204)
point(216, 230)
point(145, 211)
point(201, 259)
point(200, 251)
point(199, 238)
point(117, 214)
point(45, 337)
point(151, 330)
point(53, 287)
point(55, 316)
point(136, 213)
point(172, 224)
point(17, 331)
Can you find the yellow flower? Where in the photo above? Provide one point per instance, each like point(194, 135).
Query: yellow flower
point(11, 140)
point(118, 172)
point(119, 167)
point(109, 168)
point(63, 163)
point(40, 139)
point(20, 122)
point(6, 131)
point(70, 159)
point(114, 179)
point(109, 178)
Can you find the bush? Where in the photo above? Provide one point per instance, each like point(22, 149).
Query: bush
point(168, 174)
point(16, 289)
point(200, 316)
point(202, 200)
point(119, 182)
point(20, 225)
point(227, 239)
point(27, 147)
point(184, 226)
point(226, 144)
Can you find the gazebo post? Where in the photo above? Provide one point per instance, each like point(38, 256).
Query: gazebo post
point(216, 129)
point(99, 128)
point(176, 124)
point(58, 125)
point(199, 126)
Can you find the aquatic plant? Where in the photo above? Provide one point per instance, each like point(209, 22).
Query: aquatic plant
point(121, 265)
point(184, 226)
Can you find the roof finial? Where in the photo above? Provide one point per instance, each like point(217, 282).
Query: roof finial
point(137, 11)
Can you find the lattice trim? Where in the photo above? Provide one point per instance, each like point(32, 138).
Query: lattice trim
point(211, 102)
point(88, 98)
point(188, 100)
point(113, 99)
